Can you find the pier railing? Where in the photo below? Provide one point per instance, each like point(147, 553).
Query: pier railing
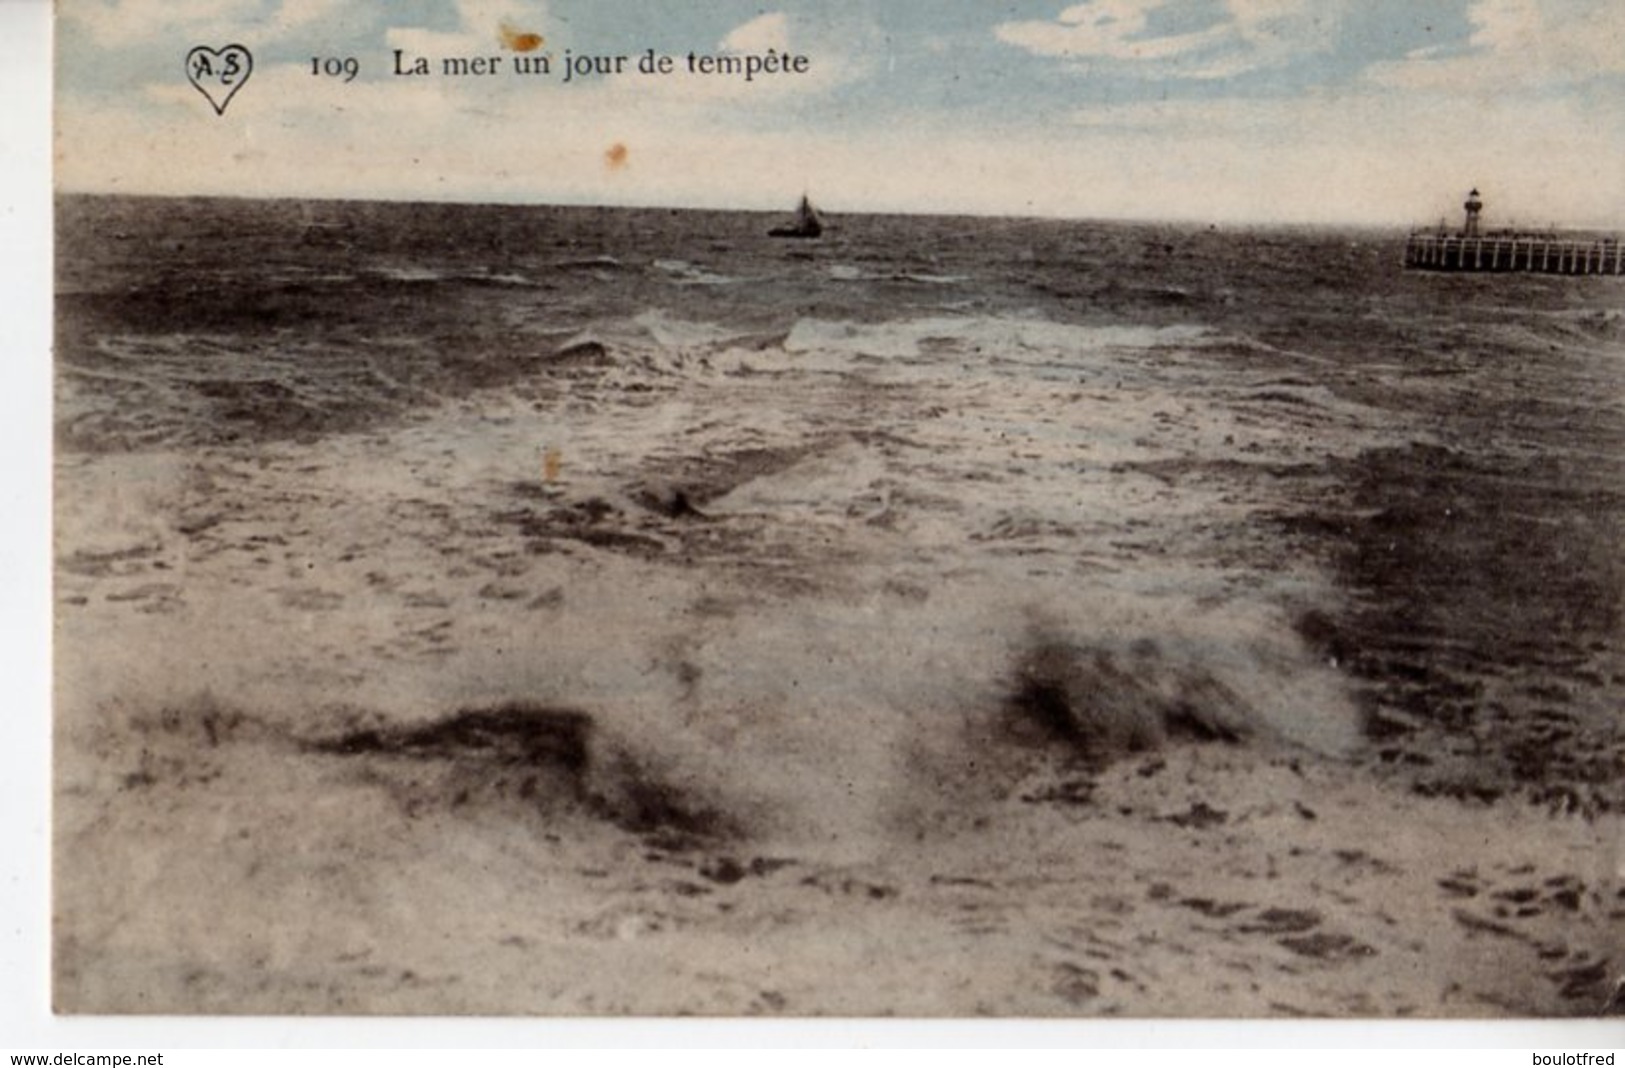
point(1513, 252)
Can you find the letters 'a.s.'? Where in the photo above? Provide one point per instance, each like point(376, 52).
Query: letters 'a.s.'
point(218, 74)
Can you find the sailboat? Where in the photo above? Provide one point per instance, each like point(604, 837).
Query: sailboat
point(807, 223)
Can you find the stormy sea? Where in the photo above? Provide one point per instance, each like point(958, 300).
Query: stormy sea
point(545, 610)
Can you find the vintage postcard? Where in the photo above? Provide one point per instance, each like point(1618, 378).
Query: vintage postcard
point(597, 507)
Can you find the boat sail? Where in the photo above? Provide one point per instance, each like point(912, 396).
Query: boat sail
point(807, 223)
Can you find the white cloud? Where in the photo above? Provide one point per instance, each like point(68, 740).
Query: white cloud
point(1248, 35)
point(1498, 24)
point(759, 34)
point(1519, 45)
point(1278, 29)
point(1112, 29)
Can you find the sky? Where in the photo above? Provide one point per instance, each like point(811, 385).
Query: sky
point(1367, 112)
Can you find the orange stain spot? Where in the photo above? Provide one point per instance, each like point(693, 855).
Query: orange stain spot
point(552, 460)
point(516, 41)
point(615, 156)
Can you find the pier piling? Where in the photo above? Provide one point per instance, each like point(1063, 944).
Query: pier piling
point(1538, 255)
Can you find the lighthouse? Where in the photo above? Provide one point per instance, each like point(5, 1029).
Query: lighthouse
point(1473, 206)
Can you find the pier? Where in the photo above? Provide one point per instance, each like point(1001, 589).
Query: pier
point(1472, 249)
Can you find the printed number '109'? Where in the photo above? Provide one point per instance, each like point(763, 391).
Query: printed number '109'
point(334, 67)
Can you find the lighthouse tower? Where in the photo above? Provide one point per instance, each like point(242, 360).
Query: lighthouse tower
point(1473, 206)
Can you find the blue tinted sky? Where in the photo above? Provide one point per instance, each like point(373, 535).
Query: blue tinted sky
point(1373, 111)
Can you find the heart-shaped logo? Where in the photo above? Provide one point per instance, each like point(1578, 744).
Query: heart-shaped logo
point(219, 73)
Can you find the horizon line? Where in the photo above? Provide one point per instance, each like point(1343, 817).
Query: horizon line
point(414, 199)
